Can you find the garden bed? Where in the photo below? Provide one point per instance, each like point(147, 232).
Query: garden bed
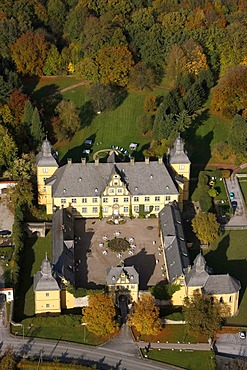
point(118, 245)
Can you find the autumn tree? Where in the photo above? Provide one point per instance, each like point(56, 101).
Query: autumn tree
point(229, 96)
point(68, 117)
point(150, 104)
point(8, 360)
point(88, 68)
point(8, 149)
point(100, 314)
point(22, 168)
point(53, 63)
point(103, 97)
point(22, 194)
point(114, 63)
point(238, 134)
point(16, 103)
point(206, 227)
point(222, 151)
point(145, 316)
point(142, 77)
point(204, 315)
point(29, 53)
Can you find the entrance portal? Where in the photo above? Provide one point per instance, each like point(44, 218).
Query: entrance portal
point(123, 307)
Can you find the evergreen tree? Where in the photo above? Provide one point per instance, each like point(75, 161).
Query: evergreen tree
point(37, 130)
point(28, 113)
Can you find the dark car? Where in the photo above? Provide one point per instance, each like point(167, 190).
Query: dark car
point(5, 232)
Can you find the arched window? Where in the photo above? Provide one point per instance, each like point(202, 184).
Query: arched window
point(221, 300)
point(230, 298)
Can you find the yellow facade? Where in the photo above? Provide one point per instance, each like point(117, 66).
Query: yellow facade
point(184, 171)
point(44, 173)
point(124, 285)
point(67, 299)
point(47, 301)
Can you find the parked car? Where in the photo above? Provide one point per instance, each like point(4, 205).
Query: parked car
point(231, 195)
point(5, 232)
point(242, 334)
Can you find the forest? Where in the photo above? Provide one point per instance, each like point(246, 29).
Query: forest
point(199, 46)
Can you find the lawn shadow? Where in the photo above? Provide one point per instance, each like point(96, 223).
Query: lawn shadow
point(218, 260)
point(86, 114)
point(76, 153)
point(25, 279)
point(121, 95)
point(29, 84)
point(44, 92)
point(144, 264)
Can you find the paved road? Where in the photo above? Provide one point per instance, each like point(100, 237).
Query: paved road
point(104, 358)
point(231, 344)
point(240, 216)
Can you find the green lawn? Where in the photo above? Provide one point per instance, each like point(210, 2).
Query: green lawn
point(193, 360)
point(229, 255)
point(33, 255)
point(243, 186)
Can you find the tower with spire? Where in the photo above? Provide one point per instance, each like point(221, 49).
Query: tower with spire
point(180, 165)
point(47, 163)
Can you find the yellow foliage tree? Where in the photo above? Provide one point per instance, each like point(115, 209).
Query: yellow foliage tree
point(100, 315)
point(145, 317)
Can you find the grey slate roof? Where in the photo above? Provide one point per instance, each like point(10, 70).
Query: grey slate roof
point(177, 153)
point(63, 244)
point(47, 157)
point(115, 272)
point(199, 272)
point(221, 284)
point(175, 249)
point(91, 180)
point(43, 280)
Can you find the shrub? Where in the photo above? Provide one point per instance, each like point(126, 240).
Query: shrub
point(226, 174)
point(118, 245)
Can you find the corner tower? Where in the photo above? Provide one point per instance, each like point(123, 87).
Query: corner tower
point(47, 164)
point(180, 164)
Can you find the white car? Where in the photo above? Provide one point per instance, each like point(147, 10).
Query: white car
point(242, 335)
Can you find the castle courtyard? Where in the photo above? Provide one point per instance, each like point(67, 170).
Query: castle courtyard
point(93, 258)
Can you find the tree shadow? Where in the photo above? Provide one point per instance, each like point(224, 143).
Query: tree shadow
point(86, 114)
point(218, 260)
point(144, 264)
point(45, 92)
point(77, 152)
point(29, 84)
point(121, 95)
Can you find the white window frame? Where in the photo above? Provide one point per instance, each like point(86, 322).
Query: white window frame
point(157, 198)
point(136, 209)
point(84, 210)
point(105, 200)
point(136, 199)
point(95, 209)
point(126, 209)
point(84, 200)
point(74, 200)
point(115, 200)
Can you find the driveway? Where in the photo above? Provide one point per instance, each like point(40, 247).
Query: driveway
point(6, 216)
point(231, 344)
point(239, 218)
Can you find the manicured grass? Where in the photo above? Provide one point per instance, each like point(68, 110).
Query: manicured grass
point(33, 255)
point(40, 87)
point(243, 186)
point(193, 360)
point(172, 334)
point(33, 365)
point(229, 255)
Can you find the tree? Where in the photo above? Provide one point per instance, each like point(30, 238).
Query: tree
point(222, 151)
point(145, 316)
point(16, 103)
point(28, 113)
point(29, 53)
point(100, 314)
point(102, 97)
point(68, 116)
point(238, 134)
point(37, 130)
point(56, 15)
point(53, 63)
point(204, 315)
point(22, 194)
point(22, 168)
point(8, 360)
point(8, 149)
point(142, 77)
point(115, 63)
point(87, 68)
point(206, 227)
point(150, 104)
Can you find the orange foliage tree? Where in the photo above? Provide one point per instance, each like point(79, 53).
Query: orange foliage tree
point(16, 103)
point(100, 315)
point(145, 317)
point(29, 53)
point(115, 63)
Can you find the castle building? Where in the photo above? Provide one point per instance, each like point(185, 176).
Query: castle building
point(112, 188)
point(123, 280)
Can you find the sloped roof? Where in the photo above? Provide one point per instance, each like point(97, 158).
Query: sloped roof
point(82, 180)
point(43, 280)
point(176, 253)
point(221, 284)
point(47, 157)
point(115, 273)
point(177, 153)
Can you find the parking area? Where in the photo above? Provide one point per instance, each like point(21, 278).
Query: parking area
point(6, 218)
point(93, 258)
point(240, 215)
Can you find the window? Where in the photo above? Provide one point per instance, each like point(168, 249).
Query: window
point(132, 287)
point(84, 200)
point(126, 200)
point(105, 209)
point(45, 170)
point(146, 208)
point(95, 209)
point(136, 199)
point(147, 199)
point(157, 199)
point(157, 208)
point(168, 197)
point(47, 294)
point(136, 208)
point(115, 183)
point(126, 209)
point(63, 201)
point(221, 300)
point(47, 305)
point(73, 200)
point(95, 200)
point(230, 298)
point(115, 200)
point(105, 200)
point(44, 188)
point(181, 167)
point(119, 190)
point(111, 191)
point(84, 210)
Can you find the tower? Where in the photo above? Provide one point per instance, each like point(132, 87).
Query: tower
point(47, 164)
point(180, 164)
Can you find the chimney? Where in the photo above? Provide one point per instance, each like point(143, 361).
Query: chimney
point(83, 161)
point(96, 161)
point(69, 160)
point(132, 161)
point(147, 160)
point(160, 160)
